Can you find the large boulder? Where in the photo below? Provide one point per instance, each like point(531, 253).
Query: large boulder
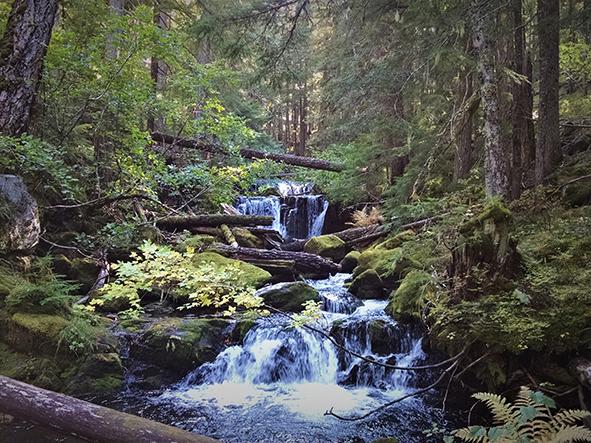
point(182, 344)
point(34, 332)
point(367, 285)
point(250, 274)
point(408, 300)
point(19, 215)
point(350, 262)
point(288, 296)
point(101, 372)
point(390, 264)
point(329, 246)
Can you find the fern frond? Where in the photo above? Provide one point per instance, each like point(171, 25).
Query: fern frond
point(472, 434)
point(571, 434)
point(502, 411)
point(569, 417)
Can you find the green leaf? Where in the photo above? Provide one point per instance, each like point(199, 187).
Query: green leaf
point(527, 413)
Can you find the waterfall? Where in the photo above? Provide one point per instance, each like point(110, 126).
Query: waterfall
point(297, 214)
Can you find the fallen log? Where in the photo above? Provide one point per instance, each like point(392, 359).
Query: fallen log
point(295, 160)
point(304, 262)
point(87, 420)
point(212, 220)
point(228, 235)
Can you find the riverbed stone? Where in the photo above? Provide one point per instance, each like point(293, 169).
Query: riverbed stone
point(19, 216)
point(247, 239)
point(350, 261)
point(288, 296)
point(328, 246)
point(182, 344)
point(367, 285)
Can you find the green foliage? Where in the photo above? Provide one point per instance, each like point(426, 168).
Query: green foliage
point(530, 419)
point(170, 273)
point(79, 336)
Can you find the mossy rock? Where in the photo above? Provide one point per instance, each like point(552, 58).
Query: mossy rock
point(80, 270)
point(102, 372)
point(40, 371)
point(328, 246)
point(379, 337)
point(367, 285)
point(251, 274)
point(182, 344)
point(242, 327)
point(397, 240)
point(288, 296)
point(35, 332)
point(350, 261)
point(407, 301)
point(247, 239)
point(390, 264)
point(198, 242)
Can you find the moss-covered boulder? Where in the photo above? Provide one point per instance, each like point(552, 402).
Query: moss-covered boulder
point(288, 296)
point(350, 261)
point(408, 300)
point(390, 264)
point(242, 327)
point(198, 242)
point(250, 274)
point(182, 344)
point(397, 240)
point(102, 372)
point(367, 285)
point(329, 246)
point(83, 271)
point(247, 239)
point(34, 332)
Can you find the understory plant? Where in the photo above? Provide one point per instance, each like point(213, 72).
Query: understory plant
point(531, 418)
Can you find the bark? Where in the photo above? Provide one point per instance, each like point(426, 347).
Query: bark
point(212, 220)
point(295, 160)
point(303, 121)
point(304, 262)
point(548, 143)
point(93, 422)
point(495, 158)
point(22, 50)
point(464, 125)
point(158, 68)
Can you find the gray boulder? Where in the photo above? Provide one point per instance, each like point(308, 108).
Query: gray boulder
point(19, 215)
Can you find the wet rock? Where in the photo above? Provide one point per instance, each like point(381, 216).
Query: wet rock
point(328, 246)
point(247, 239)
point(288, 296)
point(182, 344)
point(102, 372)
point(19, 215)
point(367, 285)
point(350, 261)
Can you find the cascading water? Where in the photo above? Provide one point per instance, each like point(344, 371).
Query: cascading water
point(296, 212)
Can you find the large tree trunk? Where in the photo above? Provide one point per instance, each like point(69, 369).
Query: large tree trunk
point(548, 143)
point(495, 158)
point(296, 160)
point(158, 69)
point(22, 50)
point(89, 421)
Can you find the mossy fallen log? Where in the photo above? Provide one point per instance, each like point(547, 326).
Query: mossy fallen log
point(87, 420)
point(212, 220)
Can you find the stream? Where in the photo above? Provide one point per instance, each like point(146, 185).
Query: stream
point(278, 383)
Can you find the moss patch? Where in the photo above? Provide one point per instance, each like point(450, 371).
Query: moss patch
point(367, 285)
point(329, 246)
point(251, 274)
point(410, 297)
point(350, 262)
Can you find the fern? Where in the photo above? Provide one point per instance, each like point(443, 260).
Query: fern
point(528, 419)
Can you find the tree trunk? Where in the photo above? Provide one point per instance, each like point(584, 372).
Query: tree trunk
point(180, 222)
point(305, 162)
point(158, 69)
point(464, 125)
point(118, 8)
point(303, 121)
point(90, 421)
point(22, 50)
point(495, 158)
point(548, 143)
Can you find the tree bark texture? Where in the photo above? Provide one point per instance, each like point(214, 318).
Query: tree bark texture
point(495, 158)
point(90, 421)
point(548, 143)
point(22, 50)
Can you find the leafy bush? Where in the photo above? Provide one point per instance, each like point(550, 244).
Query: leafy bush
point(529, 419)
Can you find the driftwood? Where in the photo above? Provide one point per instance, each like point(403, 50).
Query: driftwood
point(90, 421)
point(212, 220)
point(295, 160)
point(304, 263)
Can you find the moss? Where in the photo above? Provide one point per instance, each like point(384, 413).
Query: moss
point(329, 246)
point(408, 300)
point(80, 270)
point(251, 274)
point(289, 296)
point(243, 326)
point(366, 285)
point(390, 264)
point(102, 372)
point(9, 279)
point(350, 262)
point(198, 242)
point(397, 240)
point(40, 371)
point(247, 239)
point(35, 331)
